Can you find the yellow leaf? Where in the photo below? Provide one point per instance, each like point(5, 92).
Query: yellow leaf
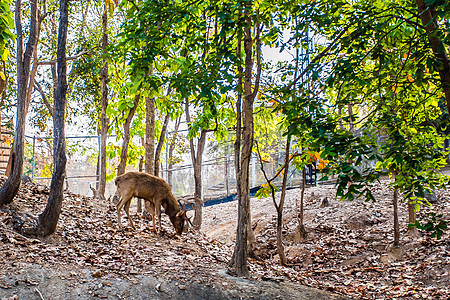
point(5, 54)
point(111, 9)
point(410, 78)
point(2, 76)
point(317, 155)
point(322, 165)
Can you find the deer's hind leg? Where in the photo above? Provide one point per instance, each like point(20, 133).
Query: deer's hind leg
point(157, 210)
point(127, 210)
point(153, 213)
point(123, 200)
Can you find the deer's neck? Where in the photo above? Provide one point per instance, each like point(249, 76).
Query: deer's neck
point(171, 206)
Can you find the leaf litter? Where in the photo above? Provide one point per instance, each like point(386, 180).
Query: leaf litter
point(347, 250)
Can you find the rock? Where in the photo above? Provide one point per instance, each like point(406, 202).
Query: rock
point(371, 237)
point(325, 202)
point(295, 251)
point(26, 179)
point(353, 260)
point(394, 254)
point(432, 198)
point(358, 221)
point(97, 274)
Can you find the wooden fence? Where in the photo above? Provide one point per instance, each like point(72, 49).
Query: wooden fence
point(6, 138)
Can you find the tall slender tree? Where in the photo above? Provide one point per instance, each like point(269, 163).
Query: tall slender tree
point(246, 137)
point(104, 121)
point(126, 136)
point(197, 158)
point(49, 218)
point(11, 186)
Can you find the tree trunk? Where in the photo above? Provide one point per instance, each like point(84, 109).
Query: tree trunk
point(227, 169)
point(149, 142)
point(428, 18)
point(280, 246)
point(198, 180)
point(412, 218)
point(12, 184)
point(141, 168)
point(160, 144)
point(97, 171)
point(104, 105)
point(396, 225)
point(300, 219)
point(34, 68)
point(171, 148)
point(350, 120)
point(3, 83)
point(241, 256)
point(341, 123)
point(126, 137)
point(149, 135)
point(49, 217)
point(196, 157)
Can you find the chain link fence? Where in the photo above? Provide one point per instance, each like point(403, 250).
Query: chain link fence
point(218, 173)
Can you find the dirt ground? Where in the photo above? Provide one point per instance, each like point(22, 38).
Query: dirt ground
point(347, 253)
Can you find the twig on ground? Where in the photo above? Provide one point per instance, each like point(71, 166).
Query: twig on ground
point(39, 292)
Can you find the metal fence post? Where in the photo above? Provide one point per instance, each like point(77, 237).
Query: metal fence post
point(227, 165)
point(253, 170)
point(33, 166)
point(167, 155)
point(100, 158)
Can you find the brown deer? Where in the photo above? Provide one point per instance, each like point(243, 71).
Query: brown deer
point(153, 189)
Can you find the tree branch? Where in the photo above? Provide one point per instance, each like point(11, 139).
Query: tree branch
point(318, 57)
point(53, 62)
point(39, 88)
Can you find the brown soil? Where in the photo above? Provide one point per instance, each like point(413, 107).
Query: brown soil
point(347, 252)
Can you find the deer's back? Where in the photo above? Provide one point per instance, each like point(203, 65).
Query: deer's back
point(143, 185)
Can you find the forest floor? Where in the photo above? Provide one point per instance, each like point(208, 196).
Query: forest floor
point(347, 253)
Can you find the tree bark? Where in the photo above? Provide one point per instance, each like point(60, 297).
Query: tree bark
point(3, 83)
point(104, 105)
point(149, 135)
point(126, 137)
point(241, 256)
point(412, 218)
point(197, 158)
point(34, 68)
point(160, 144)
point(11, 186)
point(141, 168)
point(428, 18)
point(171, 148)
point(350, 115)
point(280, 246)
point(49, 217)
point(149, 142)
point(300, 217)
point(396, 225)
